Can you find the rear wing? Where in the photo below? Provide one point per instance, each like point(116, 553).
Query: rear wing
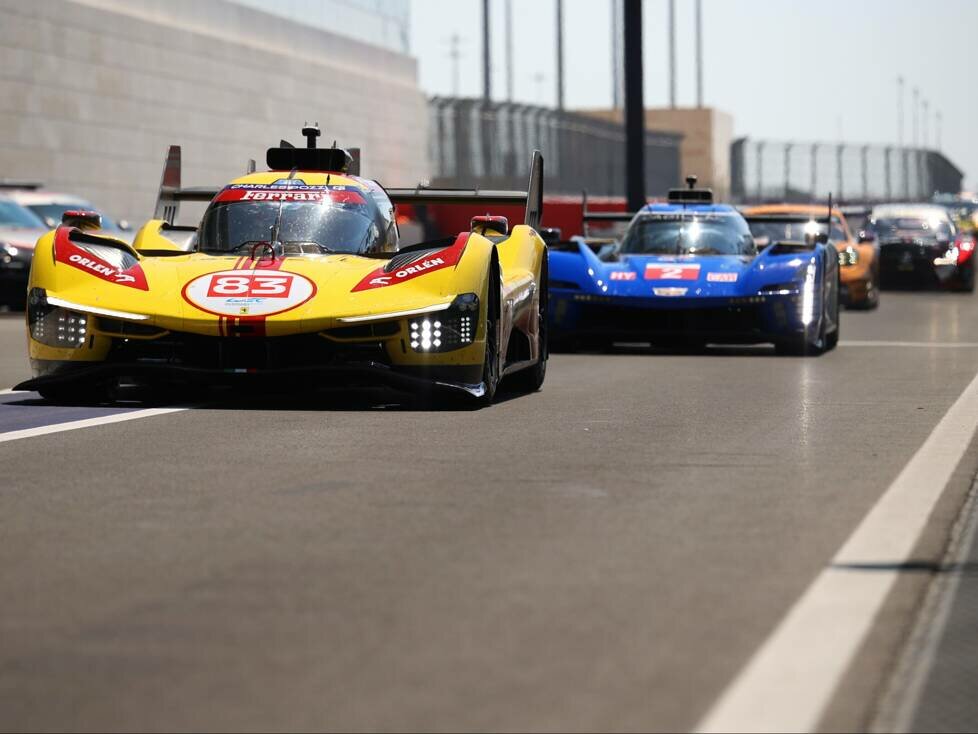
point(532, 198)
point(785, 218)
point(172, 192)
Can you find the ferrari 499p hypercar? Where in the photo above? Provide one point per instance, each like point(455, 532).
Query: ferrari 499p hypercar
point(294, 276)
point(688, 273)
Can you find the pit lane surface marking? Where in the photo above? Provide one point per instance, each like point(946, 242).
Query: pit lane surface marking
point(807, 655)
point(23, 415)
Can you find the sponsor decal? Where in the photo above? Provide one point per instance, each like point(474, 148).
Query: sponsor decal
point(670, 271)
point(248, 293)
point(67, 252)
point(313, 194)
point(423, 264)
point(721, 277)
point(670, 292)
point(623, 275)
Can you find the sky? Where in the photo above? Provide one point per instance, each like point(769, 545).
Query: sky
point(784, 69)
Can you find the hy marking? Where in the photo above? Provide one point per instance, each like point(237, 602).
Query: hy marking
point(84, 423)
point(789, 682)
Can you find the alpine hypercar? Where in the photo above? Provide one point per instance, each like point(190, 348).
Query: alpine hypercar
point(921, 246)
point(687, 272)
point(859, 262)
point(294, 277)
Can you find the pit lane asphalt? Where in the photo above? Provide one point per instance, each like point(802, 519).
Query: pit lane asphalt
point(605, 554)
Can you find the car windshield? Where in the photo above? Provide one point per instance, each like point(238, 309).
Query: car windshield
point(688, 233)
point(14, 215)
point(51, 213)
point(913, 227)
point(345, 221)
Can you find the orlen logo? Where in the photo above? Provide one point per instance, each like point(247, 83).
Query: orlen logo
point(100, 269)
point(426, 262)
point(248, 293)
point(66, 251)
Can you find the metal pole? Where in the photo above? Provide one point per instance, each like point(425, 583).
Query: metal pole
point(486, 54)
point(916, 117)
point(672, 53)
point(509, 50)
point(560, 54)
point(900, 111)
point(634, 105)
point(926, 105)
point(454, 54)
point(699, 53)
point(616, 91)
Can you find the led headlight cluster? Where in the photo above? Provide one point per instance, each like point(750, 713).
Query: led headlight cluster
point(425, 335)
point(55, 326)
point(450, 329)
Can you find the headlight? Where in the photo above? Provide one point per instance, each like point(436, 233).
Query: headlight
point(446, 330)
point(13, 257)
point(848, 256)
point(808, 295)
point(53, 325)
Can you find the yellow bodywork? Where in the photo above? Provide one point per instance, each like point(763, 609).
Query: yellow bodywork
point(334, 305)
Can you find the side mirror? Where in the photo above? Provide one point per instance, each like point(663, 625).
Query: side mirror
point(494, 224)
point(82, 219)
point(822, 238)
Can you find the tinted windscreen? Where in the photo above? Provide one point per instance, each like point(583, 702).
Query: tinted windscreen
point(14, 215)
point(688, 234)
point(301, 228)
point(912, 226)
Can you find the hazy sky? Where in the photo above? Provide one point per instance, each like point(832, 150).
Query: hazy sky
point(785, 69)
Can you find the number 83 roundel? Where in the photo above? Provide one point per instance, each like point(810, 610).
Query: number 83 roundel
point(248, 292)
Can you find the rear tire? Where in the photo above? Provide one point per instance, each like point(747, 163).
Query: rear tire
point(531, 379)
point(965, 281)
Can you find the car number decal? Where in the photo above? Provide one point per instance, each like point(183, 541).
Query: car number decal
point(670, 271)
point(248, 293)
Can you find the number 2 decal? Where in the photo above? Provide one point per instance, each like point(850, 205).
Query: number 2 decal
point(672, 272)
point(267, 286)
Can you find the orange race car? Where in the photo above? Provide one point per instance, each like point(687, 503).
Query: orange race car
point(859, 261)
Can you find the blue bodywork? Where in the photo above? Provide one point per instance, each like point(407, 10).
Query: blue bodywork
point(786, 294)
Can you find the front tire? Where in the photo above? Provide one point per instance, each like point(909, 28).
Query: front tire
point(491, 368)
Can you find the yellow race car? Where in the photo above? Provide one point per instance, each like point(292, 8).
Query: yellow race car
point(295, 276)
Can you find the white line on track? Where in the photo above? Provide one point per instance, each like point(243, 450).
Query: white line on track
point(922, 345)
point(790, 680)
point(85, 423)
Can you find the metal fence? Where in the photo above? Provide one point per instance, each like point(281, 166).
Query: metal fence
point(794, 172)
point(474, 143)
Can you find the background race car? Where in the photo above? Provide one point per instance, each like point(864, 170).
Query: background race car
point(688, 272)
point(859, 262)
point(294, 276)
point(921, 246)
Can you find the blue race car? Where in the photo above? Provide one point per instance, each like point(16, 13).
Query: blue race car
point(689, 273)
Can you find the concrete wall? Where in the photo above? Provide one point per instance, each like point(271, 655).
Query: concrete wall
point(705, 148)
point(95, 90)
